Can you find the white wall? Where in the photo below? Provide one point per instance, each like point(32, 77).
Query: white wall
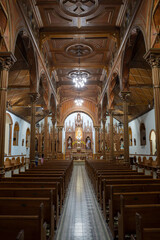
point(23, 125)
point(149, 120)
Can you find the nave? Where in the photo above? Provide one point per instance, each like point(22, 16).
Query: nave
point(82, 218)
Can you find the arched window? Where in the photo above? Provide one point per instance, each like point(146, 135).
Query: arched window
point(142, 134)
point(28, 138)
point(16, 134)
point(152, 138)
point(130, 136)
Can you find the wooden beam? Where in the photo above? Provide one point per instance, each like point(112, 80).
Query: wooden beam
point(141, 85)
point(18, 87)
point(47, 33)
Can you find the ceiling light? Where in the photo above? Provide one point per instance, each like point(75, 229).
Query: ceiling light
point(79, 102)
point(79, 79)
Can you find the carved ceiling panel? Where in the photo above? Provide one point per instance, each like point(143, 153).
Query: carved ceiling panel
point(79, 8)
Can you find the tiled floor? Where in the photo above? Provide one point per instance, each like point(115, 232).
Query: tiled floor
point(81, 218)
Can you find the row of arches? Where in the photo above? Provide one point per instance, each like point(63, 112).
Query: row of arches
point(12, 134)
point(142, 134)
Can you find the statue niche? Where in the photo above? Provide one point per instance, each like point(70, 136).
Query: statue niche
point(88, 143)
point(69, 142)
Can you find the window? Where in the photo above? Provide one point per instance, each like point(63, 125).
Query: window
point(152, 139)
point(142, 134)
point(130, 136)
point(16, 134)
point(28, 138)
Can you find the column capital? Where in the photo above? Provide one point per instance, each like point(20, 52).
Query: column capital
point(60, 128)
point(7, 59)
point(97, 128)
point(125, 95)
point(153, 57)
point(34, 97)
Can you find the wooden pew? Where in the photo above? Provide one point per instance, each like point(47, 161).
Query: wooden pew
point(124, 180)
point(131, 198)
point(33, 185)
point(53, 181)
point(126, 184)
point(33, 225)
point(147, 226)
point(35, 193)
point(126, 217)
point(29, 206)
point(100, 177)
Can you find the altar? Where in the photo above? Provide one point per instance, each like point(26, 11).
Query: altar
point(78, 139)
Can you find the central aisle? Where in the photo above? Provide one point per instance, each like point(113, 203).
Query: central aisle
point(81, 218)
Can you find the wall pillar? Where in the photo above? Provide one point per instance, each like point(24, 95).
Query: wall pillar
point(45, 137)
point(53, 138)
point(60, 128)
point(6, 61)
point(111, 139)
point(96, 139)
point(153, 58)
point(33, 127)
point(104, 139)
point(125, 95)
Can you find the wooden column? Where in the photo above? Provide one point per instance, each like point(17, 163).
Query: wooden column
point(111, 139)
point(45, 137)
point(6, 62)
point(60, 128)
point(125, 95)
point(96, 139)
point(33, 127)
point(153, 58)
point(53, 138)
point(104, 140)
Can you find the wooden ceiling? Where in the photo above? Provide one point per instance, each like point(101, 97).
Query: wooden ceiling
point(79, 36)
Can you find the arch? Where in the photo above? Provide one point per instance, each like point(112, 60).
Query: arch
point(129, 52)
point(28, 137)
point(142, 134)
point(152, 140)
point(104, 105)
point(16, 134)
point(43, 89)
point(130, 136)
point(8, 134)
point(114, 89)
point(73, 110)
point(31, 56)
point(53, 104)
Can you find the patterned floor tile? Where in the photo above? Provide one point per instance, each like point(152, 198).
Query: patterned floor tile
point(81, 218)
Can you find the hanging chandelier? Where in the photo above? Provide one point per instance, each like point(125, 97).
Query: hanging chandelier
point(78, 102)
point(79, 78)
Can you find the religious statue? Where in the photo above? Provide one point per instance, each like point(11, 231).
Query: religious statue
point(79, 134)
point(88, 143)
point(69, 143)
point(78, 121)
